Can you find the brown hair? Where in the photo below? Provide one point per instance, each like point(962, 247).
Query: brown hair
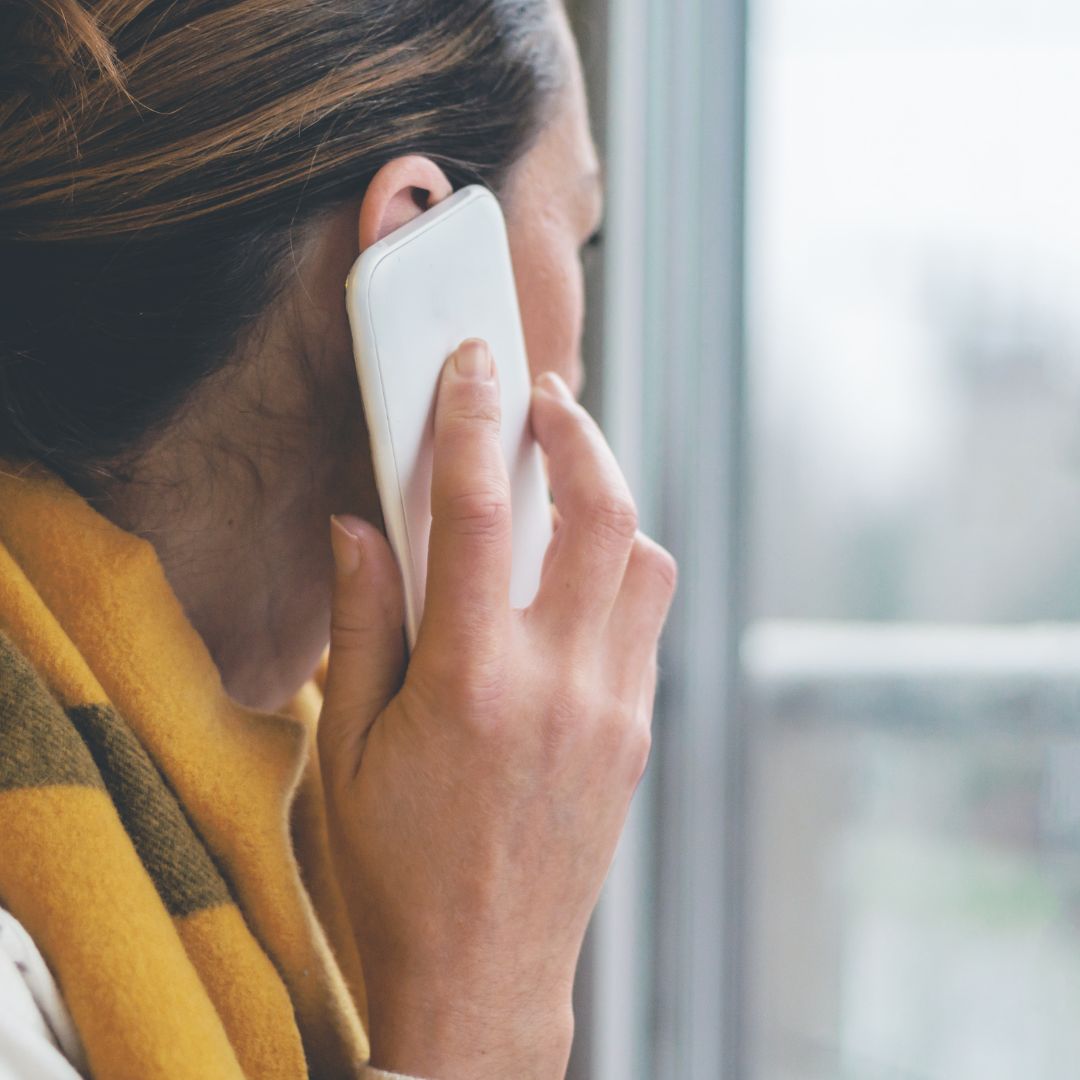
point(157, 158)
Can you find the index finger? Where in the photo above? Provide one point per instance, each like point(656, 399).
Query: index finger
point(470, 550)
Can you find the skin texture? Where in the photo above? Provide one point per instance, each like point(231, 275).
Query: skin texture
point(236, 495)
point(474, 808)
point(475, 797)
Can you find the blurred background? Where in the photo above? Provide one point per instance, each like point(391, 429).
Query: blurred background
point(834, 336)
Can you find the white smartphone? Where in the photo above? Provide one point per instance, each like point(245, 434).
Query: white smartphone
point(412, 298)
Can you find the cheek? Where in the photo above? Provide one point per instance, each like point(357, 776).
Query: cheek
point(551, 296)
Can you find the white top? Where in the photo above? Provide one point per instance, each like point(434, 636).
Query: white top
point(38, 1040)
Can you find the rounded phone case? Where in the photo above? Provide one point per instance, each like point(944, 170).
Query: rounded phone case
point(411, 298)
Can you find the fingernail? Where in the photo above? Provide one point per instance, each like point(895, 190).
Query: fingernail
point(346, 545)
point(473, 359)
point(549, 382)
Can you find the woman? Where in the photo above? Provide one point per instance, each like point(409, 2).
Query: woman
point(193, 879)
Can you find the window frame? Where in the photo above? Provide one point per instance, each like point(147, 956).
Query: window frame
point(660, 985)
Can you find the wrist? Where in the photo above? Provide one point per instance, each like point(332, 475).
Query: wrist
point(420, 1031)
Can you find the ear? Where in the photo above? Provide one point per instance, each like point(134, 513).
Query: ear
point(400, 191)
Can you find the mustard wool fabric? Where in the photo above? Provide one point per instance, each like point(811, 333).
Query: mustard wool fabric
point(164, 846)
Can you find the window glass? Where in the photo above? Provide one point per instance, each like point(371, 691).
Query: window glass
point(914, 308)
point(913, 357)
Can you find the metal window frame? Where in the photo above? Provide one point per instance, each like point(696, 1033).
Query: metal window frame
point(660, 984)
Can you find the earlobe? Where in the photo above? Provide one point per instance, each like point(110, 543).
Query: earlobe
point(400, 191)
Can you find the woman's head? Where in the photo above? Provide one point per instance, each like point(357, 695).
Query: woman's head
point(184, 185)
point(160, 161)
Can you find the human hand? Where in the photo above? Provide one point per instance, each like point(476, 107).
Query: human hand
point(475, 798)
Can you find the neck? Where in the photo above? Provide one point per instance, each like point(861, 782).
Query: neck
point(254, 581)
point(243, 535)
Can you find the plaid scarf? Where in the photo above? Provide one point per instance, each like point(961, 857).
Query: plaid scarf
point(165, 847)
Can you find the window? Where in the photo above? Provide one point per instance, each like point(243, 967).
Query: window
point(857, 850)
point(913, 258)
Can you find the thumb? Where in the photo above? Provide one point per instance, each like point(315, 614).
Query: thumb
point(367, 644)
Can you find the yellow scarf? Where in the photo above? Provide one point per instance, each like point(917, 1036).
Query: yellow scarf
point(164, 847)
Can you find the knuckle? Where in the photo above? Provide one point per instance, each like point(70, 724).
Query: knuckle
point(614, 718)
point(483, 682)
point(579, 714)
point(567, 712)
point(484, 513)
point(470, 680)
point(613, 519)
point(348, 631)
point(474, 406)
point(564, 715)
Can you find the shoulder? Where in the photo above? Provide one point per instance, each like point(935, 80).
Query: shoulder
point(37, 1036)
